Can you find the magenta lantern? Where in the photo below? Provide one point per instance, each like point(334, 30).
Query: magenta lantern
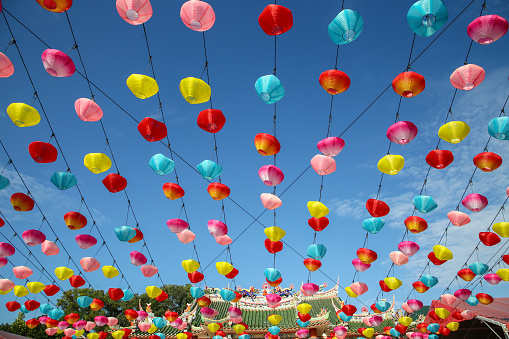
point(33, 237)
point(409, 248)
point(309, 289)
point(462, 294)
point(331, 146)
point(6, 249)
point(6, 67)
point(359, 265)
point(415, 304)
point(101, 320)
point(475, 202)
point(487, 29)
point(177, 225)
point(138, 258)
point(271, 175)
point(402, 132)
point(217, 228)
point(57, 63)
point(85, 241)
point(492, 278)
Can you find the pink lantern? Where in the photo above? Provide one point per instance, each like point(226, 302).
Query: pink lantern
point(69, 332)
point(101, 320)
point(142, 315)
point(415, 304)
point(492, 278)
point(43, 319)
point(79, 325)
point(331, 146)
point(467, 77)
point(270, 201)
point(271, 175)
point(236, 320)
point(207, 312)
point(197, 15)
point(323, 165)
point(402, 132)
point(88, 110)
point(407, 308)
point(134, 12)
point(449, 299)
point(462, 294)
point(409, 248)
point(49, 248)
point(6, 249)
point(186, 236)
point(224, 240)
point(182, 326)
point(398, 258)
point(89, 326)
point(149, 270)
point(33, 237)
point(51, 331)
point(177, 225)
point(302, 333)
point(375, 320)
point(62, 325)
point(89, 264)
point(234, 312)
point(418, 335)
point(22, 272)
point(57, 63)
point(468, 314)
point(138, 258)
point(85, 241)
point(144, 327)
point(217, 228)
point(6, 285)
point(365, 320)
point(112, 321)
point(340, 330)
point(6, 67)
point(487, 29)
point(273, 299)
point(359, 265)
point(458, 218)
point(176, 323)
point(359, 288)
point(309, 289)
point(3, 262)
point(475, 202)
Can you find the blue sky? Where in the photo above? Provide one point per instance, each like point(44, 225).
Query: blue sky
point(238, 53)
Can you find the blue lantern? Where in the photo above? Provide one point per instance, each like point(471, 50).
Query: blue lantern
point(316, 251)
point(479, 268)
point(63, 180)
point(272, 274)
point(499, 128)
point(244, 336)
point(209, 169)
point(274, 330)
point(45, 308)
point(472, 301)
point(424, 203)
point(227, 295)
point(429, 280)
point(161, 164)
point(346, 27)
point(197, 292)
point(394, 333)
point(218, 337)
point(125, 233)
point(84, 301)
point(373, 225)
point(383, 306)
point(344, 317)
point(434, 327)
point(425, 17)
point(302, 323)
point(24, 309)
point(159, 322)
point(433, 336)
point(4, 182)
point(269, 89)
point(56, 314)
point(128, 295)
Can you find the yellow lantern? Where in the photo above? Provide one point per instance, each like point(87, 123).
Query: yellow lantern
point(368, 332)
point(20, 291)
point(304, 308)
point(153, 291)
point(195, 91)
point(351, 293)
point(442, 312)
point(274, 319)
point(79, 333)
point(238, 328)
point(110, 271)
point(224, 267)
point(93, 336)
point(63, 273)
point(503, 273)
point(35, 287)
point(97, 162)
point(502, 229)
point(453, 326)
point(5, 292)
point(274, 233)
point(213, 327)
point(391, 164)
point(152, 329)
point(317, 209)
point(60, 331)
point(23, 115)
point(442, 252)
point(190, 265)
point(118, 334)
point(393, 283)
point(405, 321)
point(142, 86)
point(181, 336)
point(454, 131)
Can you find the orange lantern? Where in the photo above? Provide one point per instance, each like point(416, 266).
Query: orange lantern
point(266, 144)
point(218, 191)
point(334, 81)
point(408, 84)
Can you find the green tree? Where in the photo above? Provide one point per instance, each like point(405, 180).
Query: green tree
point(19, 327)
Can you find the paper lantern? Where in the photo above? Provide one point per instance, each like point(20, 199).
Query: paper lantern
point(420, 287)
point(35, 287)
point(84, 301)
point(415, 304)
point(487, 161)
point(424, 203)
point(501, 228)
point(331, 146)
point(137, 258)
point(63, 273)
point(79, 325)
point(503, 274)
point(466, 274)
point(383, 305)
point(63, 180)
point(186, 236)
point(56, 6)
point(209, 169)
point(177, 225)
point(173, 191)
point(269, 89)
point(318, 224)
point(505, 258)
point(272, 274)
point(124, 233)
point(489, 238)
point(359, 288)
point(88, 110)
point(454, 131)
point(458, 218)
point(71, 318)
point(23, 115)
point(114, 183)
point(499, 128)
point(42, 152)
point(274, 233)
point(134, 12)
point(275, 20)
point(484, 298)
point(223, 268)
point(487, 29)
point(33, 237)
point(359, 265)
point(270, 201)
point(467, 77)
point(75, 220)
point(57, 63)
point(6, 249)
point(128, 295)
point(22, 202)
point(115, 294)
point(492, 278)
point(197, 15)
point(85, 241)
point(97, 304)
point(384, 286)
point(472, 301)
point(479, 268)
point(373, 225)
point(393, 283)
point(407, 84)
point(6, 66)
point(475, 202)
point(194, 90)
point(316, 251)
point(367, 256)
point(97, 162)
point(20, 291)
point(217, 228)
point(416, 224)
point(398, 258)
point(323, 165)
point(211, 120)
point(273, 246)
point(218, 191)
point(51, 290)
point(152, 130)
point(442, 252)
point(317, 209)
point(425, 17)
point(266, 144)
point(439, 159)
point(110, 271)
point(190, 265)
point(391, 164)
point(271, 175)
point(149, 270)
point(12, 306)
point(309, 289)
point(142, 86)
point(409, 248)
point(196, 292)
point(22, 272)
point(161, 164)
point(3, 262)
point(4, 183)
point(227, 295)
point(345, 27)
point(429, 280)
point(334, 81)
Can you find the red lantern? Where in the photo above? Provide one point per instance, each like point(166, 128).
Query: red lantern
point(384, 286)
point(71, 318)
point(203, 301)
point(266, 144)
point(221, 333)
point(387, 329)
point(304, 317)
point(211, 120)
point(487, 161)
point(273, 246)
point(376, 310)
point(32, 304)
point(32, 323)
point(439, 159)
point(361, 329)
point(103, 335)
point(312, 264)
point(137, 237)
point(274, 283)
point(408, 84)
point(162, 297)
point(127, 331)
point(318, 224)
point(457, 315)
point(42, 152)
point(416, 224)
point(12, 306)
point(131, 314)
point(195, 277)
point(2, 222)
point(483, 298)
point(489, 238)
point(349, 310)
point(466, 274)
point(434, 259)
point(173, 191)
point(114, 182)
point(171, 316)
point(115, 293)
point(334, 81)
point(232, 274)
point(152, 130)
point(50, 323)
point(22, 202)
point(218, 191)
point(275, 20)
point(505, 258)
point(420, 287)
point(400, 328)
point(76, 281)
point(422, 327)
point(367, 256)
point(434, 316)
point(377, 208)
point(75, 220)
point(444, 331)
point(51, 290)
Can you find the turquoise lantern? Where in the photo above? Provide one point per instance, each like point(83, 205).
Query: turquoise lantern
point(209, 169)
point(434, 327)
point(84, 301)
point(24, 309)
point(425, 17)
point(344, 317)
point(63, 180)
point(479, 268)
point(395, 332)
point(125, 233)
point(159, 322)
point(272, 274)
point(45, 308)
point(160, 335)
point(472, 301)
point(4, 182)
point(317, 251)
point(429, 280)
point(383, 306)
point(58, 313)
point(498, 128)
point(218, 337)
point(302, 323)
point(373, 225)
point(197, 292)
point(424, 203)
point(346, 27)
point(227, 295)
point(128, 295)
point(243, 336)
point(433, 336)
point(161, 164)
point(274, 330)
point(269, 89)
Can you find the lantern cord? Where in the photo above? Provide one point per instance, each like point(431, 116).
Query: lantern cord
point(206, 64)
point(275, 54)
point(343, 5)
point(336, 64)
point(410, 56)
point(7, 164)
point(330, 115)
